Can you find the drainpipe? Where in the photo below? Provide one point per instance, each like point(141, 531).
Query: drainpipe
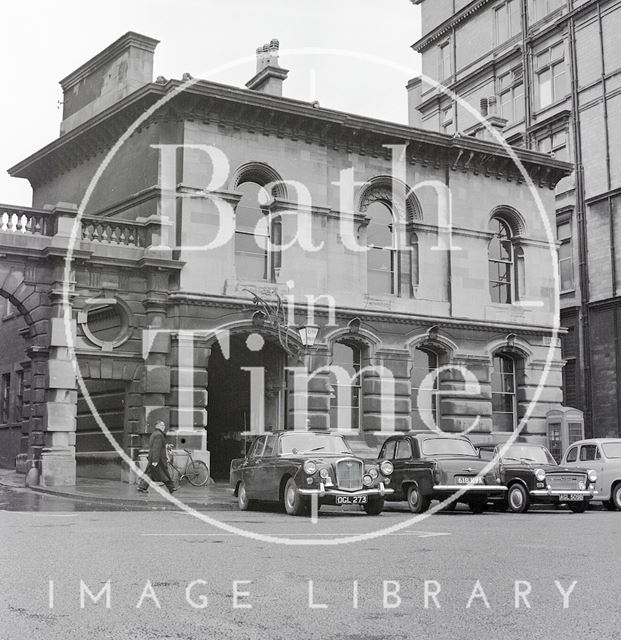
point(582, 226)
point(527, 76)
point(611, 218)
point(613, 258)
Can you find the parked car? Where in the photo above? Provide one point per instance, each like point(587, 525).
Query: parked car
point(531, 475)
point(431, 466)
point(291, 466)
point(604, 456)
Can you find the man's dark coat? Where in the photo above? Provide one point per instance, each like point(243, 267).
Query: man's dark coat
point(157, 453)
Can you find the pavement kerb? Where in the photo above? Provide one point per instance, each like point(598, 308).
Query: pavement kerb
point(151, 501)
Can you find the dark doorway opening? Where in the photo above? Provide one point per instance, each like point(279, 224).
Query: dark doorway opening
point(229, 411)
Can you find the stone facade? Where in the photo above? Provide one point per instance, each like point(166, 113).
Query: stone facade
point(163, 328)
point(567, 54)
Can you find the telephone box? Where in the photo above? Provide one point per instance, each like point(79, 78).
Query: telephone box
point(565, 426)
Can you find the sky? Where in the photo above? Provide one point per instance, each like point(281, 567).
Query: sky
point(360, 61)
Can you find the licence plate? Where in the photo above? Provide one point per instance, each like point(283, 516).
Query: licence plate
point(468, 480)
point(351, 499)
point(571, 497)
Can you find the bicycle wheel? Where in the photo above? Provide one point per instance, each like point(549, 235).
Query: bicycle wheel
point(197, 473)
point(174, 474)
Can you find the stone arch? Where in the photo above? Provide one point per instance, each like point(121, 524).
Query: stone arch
point(33, 305)
point(510, 345)
point(249, 326)
point(364, 338)
point(380, 188)
point(432, 340)
point(262, 174)
point(512, 217)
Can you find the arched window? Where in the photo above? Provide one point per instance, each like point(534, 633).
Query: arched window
point(504, 403)
point(381, 262)
point(390, 269)
point(425, 409)
point(501, 263)
point(253, 258)
point(345, 399)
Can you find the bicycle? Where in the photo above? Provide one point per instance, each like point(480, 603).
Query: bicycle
point(196, 471)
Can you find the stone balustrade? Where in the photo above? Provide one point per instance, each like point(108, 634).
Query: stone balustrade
point(37, 222)
point(116, 232)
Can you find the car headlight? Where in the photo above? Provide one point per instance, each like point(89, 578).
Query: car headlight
point(373, 472)
point(310, 467)
point(367, 480)
point(540, 474)
point(324, 473)
point(592, 475)
point(386, 467)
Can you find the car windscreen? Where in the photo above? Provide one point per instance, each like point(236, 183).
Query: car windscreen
point(612, 449)
point(447, 446)
point(538, 455)
point(307, 443)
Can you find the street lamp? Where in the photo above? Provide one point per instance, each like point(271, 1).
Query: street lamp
point(308, 334)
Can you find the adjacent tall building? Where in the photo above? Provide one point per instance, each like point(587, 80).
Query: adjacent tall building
point(548, 74)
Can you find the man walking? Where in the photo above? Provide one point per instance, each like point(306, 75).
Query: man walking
point(157, 465)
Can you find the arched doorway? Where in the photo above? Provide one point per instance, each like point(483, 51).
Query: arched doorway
point(232, 409)
point(14, 364)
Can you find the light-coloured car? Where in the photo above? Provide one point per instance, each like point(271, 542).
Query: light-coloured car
point(604, 456)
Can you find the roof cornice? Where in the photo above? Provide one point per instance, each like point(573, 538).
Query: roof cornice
point(225, 105)
point(448, 24)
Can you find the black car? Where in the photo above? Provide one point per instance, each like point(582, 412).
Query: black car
point(531, 475)
point(434, 466)
point(290, 467)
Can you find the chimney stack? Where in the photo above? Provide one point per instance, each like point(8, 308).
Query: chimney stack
point(270, 75)
point(120, 69)
point(489, 111)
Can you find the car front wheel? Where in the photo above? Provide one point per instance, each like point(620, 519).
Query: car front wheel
point(245, 504)
point(609, 504)
point(616, 496)
point(417, 502)
point(294, 502)
point(374, 506)
point(578, 507)
point(518, 499)
point(477, 506)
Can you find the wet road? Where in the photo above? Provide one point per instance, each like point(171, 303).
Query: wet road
point(12, 499)
point(168, 575)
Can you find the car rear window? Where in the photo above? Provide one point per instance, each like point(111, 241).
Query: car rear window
point(448, 446)
point(612, 449)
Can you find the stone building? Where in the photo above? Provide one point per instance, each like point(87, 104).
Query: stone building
point(549, 73)
point(147, 174)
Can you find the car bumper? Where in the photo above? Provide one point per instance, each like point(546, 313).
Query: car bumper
point(324, 491)
point(470, 488)
point(557, 493)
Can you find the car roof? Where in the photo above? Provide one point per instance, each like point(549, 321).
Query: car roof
point(595, 441)
point(424, 435)
point(297, 432)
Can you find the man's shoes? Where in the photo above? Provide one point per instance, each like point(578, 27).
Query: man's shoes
point(141, 490)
